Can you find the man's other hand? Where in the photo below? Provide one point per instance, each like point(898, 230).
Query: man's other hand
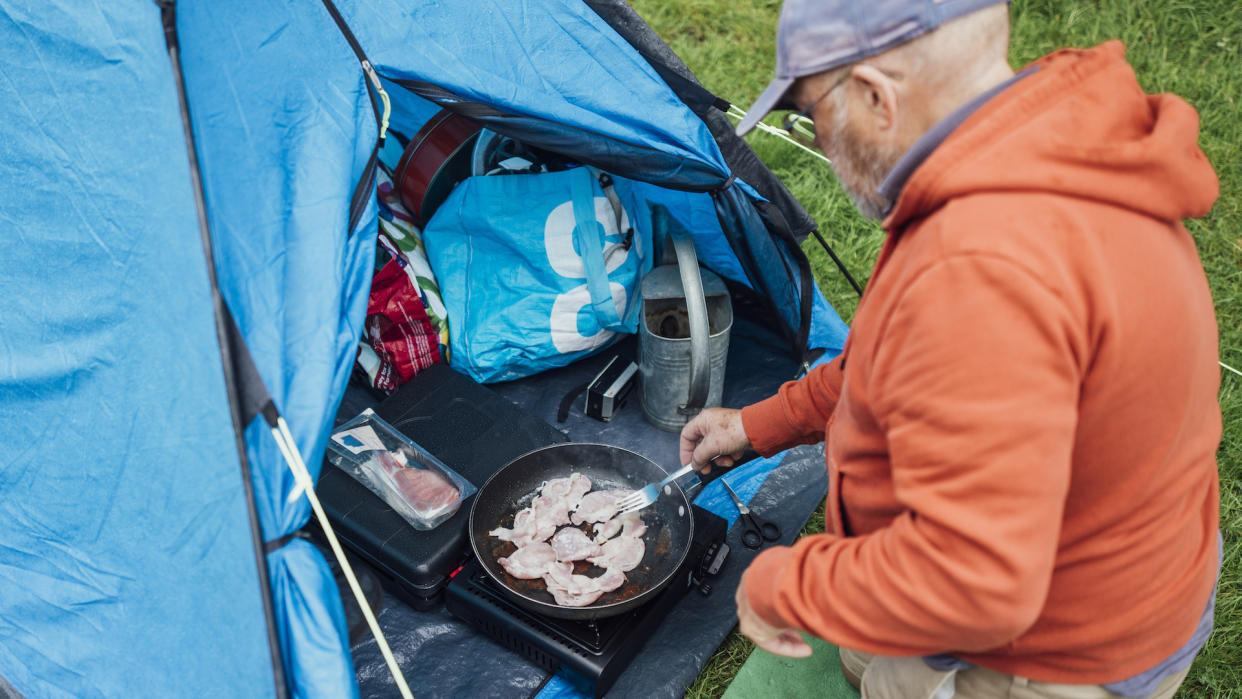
point(786, 642)
point(716, 434)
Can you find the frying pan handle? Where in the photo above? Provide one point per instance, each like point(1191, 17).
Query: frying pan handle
point(718, 471)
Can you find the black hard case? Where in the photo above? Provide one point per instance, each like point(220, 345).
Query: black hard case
point(468, 427)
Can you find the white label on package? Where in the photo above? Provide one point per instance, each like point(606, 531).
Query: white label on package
point(359, 439)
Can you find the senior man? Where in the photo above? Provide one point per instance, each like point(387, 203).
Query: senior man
point(1021, 430)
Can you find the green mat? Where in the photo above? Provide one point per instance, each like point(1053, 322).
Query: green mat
point(768, 676)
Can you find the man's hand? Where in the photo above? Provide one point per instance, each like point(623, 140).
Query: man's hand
point(786, 642)
point(715, 433)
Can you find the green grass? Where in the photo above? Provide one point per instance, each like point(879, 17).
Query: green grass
point(1190, 48)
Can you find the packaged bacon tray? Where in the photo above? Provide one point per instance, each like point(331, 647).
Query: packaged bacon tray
point(420, 487)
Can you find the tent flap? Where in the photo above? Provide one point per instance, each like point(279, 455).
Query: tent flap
point(286, 131)
point(543, 61)
point(125, 523)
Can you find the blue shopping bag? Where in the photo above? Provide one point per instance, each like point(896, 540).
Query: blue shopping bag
point(538, 270)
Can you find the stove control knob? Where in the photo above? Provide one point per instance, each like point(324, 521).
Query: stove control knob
point(715, 558)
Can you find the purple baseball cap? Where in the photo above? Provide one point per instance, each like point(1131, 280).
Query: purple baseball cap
point(818, 35)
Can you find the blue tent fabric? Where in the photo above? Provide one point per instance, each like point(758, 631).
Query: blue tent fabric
point(125, 525)
point(554, 61)
point(697, 214)
point(284, 127)
point(127, 565)
point(828, 331)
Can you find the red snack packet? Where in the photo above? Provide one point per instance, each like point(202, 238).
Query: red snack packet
point(397, 328)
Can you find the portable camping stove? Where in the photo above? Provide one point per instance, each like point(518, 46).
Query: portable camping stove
point(595, 652)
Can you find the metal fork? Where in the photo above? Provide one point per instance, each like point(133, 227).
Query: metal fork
point(649, 493)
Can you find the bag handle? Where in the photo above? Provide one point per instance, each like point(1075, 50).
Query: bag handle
point(589, 235)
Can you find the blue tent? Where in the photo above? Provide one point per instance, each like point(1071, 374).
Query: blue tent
point(146, 544)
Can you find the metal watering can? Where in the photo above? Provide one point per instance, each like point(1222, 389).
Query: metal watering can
point(683, 335)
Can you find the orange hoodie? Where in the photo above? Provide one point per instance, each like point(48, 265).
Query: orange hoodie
point(1021, 431)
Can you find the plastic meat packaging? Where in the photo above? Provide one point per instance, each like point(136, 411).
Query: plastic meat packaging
point(414, 483)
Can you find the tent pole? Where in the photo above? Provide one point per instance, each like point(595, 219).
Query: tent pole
point(168, 14)
point(840, 265)
point(293, 458)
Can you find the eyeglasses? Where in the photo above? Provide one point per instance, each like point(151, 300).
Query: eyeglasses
point(801, 127)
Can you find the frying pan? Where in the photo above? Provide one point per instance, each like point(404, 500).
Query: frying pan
point(670, 528)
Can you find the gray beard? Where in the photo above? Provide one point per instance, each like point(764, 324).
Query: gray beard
point(859, 167)
point(873, 207)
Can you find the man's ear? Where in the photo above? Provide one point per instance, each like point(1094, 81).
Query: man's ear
point(879, 94)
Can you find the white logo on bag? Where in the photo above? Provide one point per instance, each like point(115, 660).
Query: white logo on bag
point(558, 240)
point(565, 310)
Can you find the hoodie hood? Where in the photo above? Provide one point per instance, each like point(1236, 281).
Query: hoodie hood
point(1080, 126)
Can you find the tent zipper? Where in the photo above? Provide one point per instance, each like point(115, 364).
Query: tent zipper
point(362, 191)
point(380, 104)
point(374, 87)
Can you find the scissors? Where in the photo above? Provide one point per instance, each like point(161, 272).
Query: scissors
point(755, 529)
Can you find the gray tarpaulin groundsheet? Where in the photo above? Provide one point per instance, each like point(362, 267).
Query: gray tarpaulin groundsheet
point(442, 657)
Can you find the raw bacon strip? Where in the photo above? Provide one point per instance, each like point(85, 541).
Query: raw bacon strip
point(579, 590)
point(633, 527)
point(571, 544)
point(543, 530)
point(529, 562)
point(557, 487)
point(569, 599)
point(572, 488)
point(425, 490)
point(558, 497)
point(526, 529)
point(579, 486)
point(550, 510)
point(610, 580)
point(560, 569)
point(623, 553)
point(598, 506)
point(523, 527)
point(606, 530)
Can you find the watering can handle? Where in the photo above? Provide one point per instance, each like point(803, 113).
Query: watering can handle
point(696, 308)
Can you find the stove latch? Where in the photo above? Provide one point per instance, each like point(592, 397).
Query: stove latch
point(709, 565)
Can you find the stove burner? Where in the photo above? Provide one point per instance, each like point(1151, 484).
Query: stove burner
point(595, 651)
point(593, 635)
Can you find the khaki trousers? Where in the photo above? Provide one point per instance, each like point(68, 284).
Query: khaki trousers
point(910, 678)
